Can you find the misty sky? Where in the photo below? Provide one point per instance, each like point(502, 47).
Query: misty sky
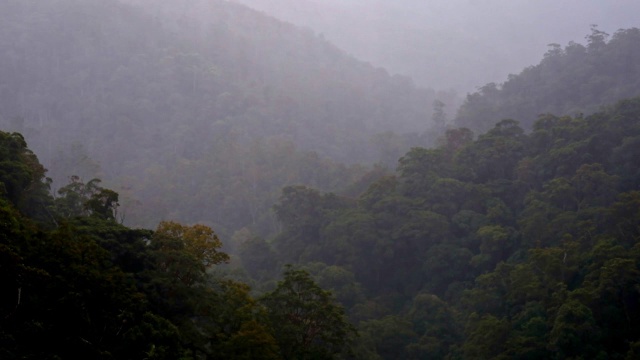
point(459, 44)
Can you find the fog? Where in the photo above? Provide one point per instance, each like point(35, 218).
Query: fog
point(505, 227)
point(145, 95)
point(452, 44)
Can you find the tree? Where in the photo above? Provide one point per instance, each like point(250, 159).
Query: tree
point(258, 258)
point(486, 337)
point(389, 336)
point(495, 154)
point(439, 117)
point(303, 212)
point(234, 323)
point(597, 39)
point(419, 168)
point(434, 321)
point(185, 252)
point(22, 177)
point(90, 199)
point(575, 333)
point(306, 321)
point(176, 282)
point(103, 204)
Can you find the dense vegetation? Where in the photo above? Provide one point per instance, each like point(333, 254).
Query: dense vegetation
point(74, 283)
point(509, 246)
point(520, 243)
point(570, 80)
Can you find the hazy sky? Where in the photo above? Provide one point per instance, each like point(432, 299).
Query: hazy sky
point(460, 44)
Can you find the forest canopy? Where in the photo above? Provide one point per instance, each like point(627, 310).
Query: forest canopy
point(569, 80)
point(204, 181)
point(514, 244)
point(78, 283)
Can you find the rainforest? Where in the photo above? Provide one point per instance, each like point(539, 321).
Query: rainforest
point(203, 180)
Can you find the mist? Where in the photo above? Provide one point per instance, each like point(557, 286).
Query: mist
point(326, 179)
point(458, 44)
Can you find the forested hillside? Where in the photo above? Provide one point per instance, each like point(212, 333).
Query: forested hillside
point(512, 245)
point(263, 157)
point(178, 93)
point(457, 44)
point(570, 80)
point(74, 283)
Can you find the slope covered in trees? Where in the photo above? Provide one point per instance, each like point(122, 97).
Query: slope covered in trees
point(511, 245)
point(520, 243)
point(136, 94)
point(456, 44)
point(77, 284)
point(570, 80)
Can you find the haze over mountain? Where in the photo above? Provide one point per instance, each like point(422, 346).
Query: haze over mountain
point(570, 80)
point(310, 205)
point(459, 44)
point(131, 93)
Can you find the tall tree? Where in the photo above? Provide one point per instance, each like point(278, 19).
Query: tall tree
point(306, 321)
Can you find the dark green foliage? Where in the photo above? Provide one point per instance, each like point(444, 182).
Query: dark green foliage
point(389, 336)
point(89, 287)
point(508, 246)
point(80, 199)
point(512, 245)
point(308, 323)
point(67, 299)
point(570, 80)
point(258, 258)
point(22, 178)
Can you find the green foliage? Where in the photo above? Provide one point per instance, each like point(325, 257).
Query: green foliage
point(69, 296)
point(512, 245)
point(22, 178)
point(389, 336)
point(307, 323)
point(574, 333)
point(181, 255)
point(258, 258)
point(78, 199)
point(90, 287)
point(486, 337)
point(234, 323)
point(508, 245)
point(569, 80)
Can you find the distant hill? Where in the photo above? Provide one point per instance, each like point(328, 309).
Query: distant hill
point(574, 79)
point(207, 62)
point(133, 91)
point(445, 44)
